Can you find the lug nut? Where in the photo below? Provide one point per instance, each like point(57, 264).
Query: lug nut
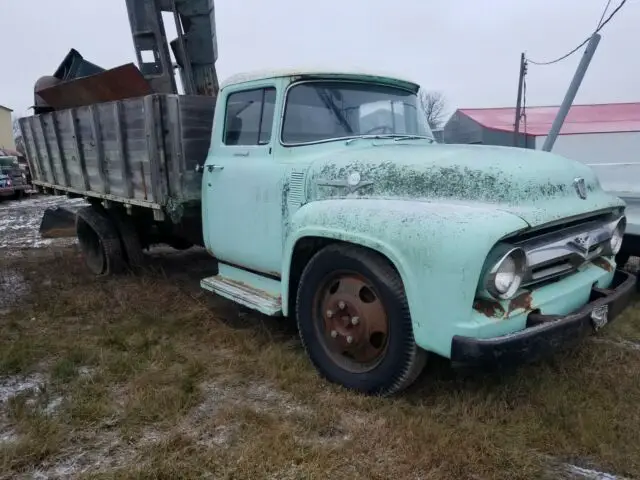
point(349, 339)
point(329, 313)
point(341, 305)
point(355, 320)
point(334, 333)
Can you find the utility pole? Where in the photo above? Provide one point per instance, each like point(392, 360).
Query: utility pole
point(523, 68)
point(571, 92)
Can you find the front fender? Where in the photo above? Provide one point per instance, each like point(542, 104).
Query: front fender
point(437, 248)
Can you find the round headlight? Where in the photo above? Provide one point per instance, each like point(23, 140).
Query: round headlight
point(615, 244)
point(505, 278)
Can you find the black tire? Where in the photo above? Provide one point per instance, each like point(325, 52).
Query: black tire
point(178, 243)
point(622, 258)
point(130, 239)
point(99, 241)
point(402, 360)
point(19, 195)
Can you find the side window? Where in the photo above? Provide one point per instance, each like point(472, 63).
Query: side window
point(249, 117)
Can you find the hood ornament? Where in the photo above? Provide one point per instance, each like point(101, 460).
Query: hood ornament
point(581, 187)
point(352, 183)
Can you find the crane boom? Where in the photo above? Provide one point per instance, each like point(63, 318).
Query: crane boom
point(195, 49)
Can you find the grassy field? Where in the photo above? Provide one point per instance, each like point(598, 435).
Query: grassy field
point(148, 377)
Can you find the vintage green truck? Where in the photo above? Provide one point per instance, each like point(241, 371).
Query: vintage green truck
point(323, 196)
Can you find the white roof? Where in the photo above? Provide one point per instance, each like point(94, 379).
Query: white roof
point(294, 72)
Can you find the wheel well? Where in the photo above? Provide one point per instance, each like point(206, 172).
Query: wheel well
point(304, 250)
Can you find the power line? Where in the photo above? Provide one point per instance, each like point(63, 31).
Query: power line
point(600, 26)
point(603, 13)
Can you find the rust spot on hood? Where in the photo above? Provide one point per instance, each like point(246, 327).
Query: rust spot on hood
point(490, 308)
point(522, 301)
point(603, 263)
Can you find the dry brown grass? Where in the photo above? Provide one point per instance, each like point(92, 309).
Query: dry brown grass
point(148, 377)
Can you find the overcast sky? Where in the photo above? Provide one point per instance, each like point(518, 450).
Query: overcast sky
point(468, 49)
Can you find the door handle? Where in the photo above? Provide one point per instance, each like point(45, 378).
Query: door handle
point(241, 154)
point(211, 168)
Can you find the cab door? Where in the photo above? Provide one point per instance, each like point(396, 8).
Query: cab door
point(242, 184)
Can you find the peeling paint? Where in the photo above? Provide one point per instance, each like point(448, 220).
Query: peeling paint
point(520, 302)
point(463, 183)
point(490, 308)
point(603, 263)
point(497, 309)
point(456, 173)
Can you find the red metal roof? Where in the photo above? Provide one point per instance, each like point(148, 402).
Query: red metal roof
point(603, 118)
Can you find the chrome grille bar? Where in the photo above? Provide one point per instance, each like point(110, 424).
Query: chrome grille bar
point(562, 252)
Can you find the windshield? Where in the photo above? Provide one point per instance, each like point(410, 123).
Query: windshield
point(323, 110)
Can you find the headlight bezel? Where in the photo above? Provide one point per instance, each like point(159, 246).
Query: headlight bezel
point(619, 228)
point(497, 260)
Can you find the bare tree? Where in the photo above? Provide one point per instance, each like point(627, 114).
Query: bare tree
point(434, 105)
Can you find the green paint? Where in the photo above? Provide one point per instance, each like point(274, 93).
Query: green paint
point(435, 211)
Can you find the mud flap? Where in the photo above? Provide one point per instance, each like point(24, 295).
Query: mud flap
point(58, 222)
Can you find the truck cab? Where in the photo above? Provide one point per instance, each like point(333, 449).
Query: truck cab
point(325, 197)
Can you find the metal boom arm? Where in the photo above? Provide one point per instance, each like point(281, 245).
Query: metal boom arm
point(195, 49)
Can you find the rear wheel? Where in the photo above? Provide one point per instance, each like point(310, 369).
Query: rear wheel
point(130, 239)
point(354, 321)
point(99, 241)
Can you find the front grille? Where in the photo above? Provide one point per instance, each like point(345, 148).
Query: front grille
point(557, 253)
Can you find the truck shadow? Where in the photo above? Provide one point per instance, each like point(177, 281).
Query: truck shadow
point(438, 380)
point(186, 269)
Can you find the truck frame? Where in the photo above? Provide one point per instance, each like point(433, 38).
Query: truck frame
point(323, 196)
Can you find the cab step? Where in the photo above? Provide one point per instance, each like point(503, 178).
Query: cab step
point(246, 288)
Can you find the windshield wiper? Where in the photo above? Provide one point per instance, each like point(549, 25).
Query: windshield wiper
point(412, 137)
point(394, 136)
point(330, 104)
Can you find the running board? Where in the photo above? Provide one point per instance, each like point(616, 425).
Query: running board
point(249, 289)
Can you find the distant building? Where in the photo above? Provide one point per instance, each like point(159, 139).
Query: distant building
point(592, 134)
point(6, 129)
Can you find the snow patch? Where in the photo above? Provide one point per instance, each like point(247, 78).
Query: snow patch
point(261, 397)
point(13, 287)
point(20, 221)
point(9, 436)
point(12, 386)
point(109, 453)
point(588, 474)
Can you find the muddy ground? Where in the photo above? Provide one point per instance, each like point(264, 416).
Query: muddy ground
point(147, 376)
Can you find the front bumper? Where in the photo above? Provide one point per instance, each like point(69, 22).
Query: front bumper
point(545, 333)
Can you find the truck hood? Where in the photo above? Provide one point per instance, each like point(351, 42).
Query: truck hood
point(538, 187)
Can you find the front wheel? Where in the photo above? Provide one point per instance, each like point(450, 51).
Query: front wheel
point(354, 321)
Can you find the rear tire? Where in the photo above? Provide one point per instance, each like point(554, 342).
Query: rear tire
point(130, 239)
point(99, 241)
point(374, 354)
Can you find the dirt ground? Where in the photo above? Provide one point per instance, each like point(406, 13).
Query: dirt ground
point(147, 376)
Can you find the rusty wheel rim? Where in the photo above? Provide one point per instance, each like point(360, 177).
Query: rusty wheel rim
point(352, 321)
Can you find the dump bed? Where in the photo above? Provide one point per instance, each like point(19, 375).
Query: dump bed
point(140, 151)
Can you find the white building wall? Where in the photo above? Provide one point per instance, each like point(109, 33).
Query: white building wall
point(615, 157)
